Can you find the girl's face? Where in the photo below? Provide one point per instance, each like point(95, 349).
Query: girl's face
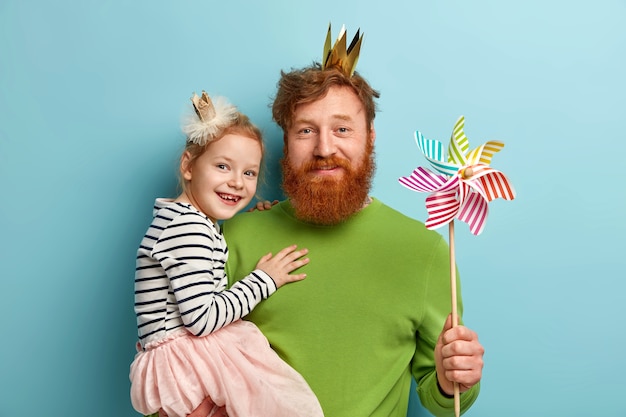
point(223, 180)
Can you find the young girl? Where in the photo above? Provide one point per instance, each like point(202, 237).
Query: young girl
point(192, 341)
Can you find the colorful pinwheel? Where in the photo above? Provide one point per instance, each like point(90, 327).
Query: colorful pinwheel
point(460, 187)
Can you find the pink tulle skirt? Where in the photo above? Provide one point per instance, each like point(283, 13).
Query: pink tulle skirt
point(235, 366)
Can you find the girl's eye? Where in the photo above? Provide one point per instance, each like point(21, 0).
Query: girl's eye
point(221, 166)
point(250, 173)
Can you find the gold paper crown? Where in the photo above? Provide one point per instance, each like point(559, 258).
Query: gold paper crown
point(339, 55)
point(203, 106)
point(209, 118)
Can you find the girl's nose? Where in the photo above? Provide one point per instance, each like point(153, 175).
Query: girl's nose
point(235, 182)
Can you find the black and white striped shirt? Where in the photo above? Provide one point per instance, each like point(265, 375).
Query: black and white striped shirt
point(180, 281)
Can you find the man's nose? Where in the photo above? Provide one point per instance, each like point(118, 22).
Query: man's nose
point(325, 145)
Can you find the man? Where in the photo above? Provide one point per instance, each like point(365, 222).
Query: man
point(373, 311)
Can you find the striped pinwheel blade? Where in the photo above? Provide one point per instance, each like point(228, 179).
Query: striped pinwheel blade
point(497, 185)
point(473, 211)
point(433, 152)
point(484, 153)
point(491, 183)
point(442, 207)
point(424, 181)
point(458, 144)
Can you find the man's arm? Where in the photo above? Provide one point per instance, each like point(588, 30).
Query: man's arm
point(458, 358)
point(444, 355)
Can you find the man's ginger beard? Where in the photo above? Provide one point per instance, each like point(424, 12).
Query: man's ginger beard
point(324, 200)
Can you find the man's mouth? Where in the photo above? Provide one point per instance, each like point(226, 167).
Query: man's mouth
point(327, 168)
point(329, 164)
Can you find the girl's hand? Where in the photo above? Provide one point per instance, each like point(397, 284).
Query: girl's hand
point(280, 266)
point(263, 205)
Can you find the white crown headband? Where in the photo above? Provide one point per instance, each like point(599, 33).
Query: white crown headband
point(208, 119)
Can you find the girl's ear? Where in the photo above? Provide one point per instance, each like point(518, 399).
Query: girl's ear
point(185, 166)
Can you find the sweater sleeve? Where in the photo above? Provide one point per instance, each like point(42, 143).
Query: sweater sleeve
point(437, 302)
point(194, 265)
point(440, 405)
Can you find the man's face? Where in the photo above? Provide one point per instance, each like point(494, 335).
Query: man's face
point(333, 126)
point(328, 164)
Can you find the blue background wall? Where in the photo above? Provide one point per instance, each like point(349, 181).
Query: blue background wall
point(91, 95)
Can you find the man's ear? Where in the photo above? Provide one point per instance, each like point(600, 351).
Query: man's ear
point(372, 134)
point(185, 166)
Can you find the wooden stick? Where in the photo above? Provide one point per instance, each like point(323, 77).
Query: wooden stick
point(455, 317)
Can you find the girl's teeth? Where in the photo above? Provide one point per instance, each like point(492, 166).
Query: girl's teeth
point(229, 197)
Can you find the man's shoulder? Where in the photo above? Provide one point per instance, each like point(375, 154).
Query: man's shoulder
point(248, 219)
point(402, 224)
point(240, 219)
point(393, 214)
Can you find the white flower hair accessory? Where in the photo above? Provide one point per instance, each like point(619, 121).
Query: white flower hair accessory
point(208, 119)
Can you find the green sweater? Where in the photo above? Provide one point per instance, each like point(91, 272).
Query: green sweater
point(367, 316)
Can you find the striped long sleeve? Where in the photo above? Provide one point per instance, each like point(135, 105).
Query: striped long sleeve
point(180, 279)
